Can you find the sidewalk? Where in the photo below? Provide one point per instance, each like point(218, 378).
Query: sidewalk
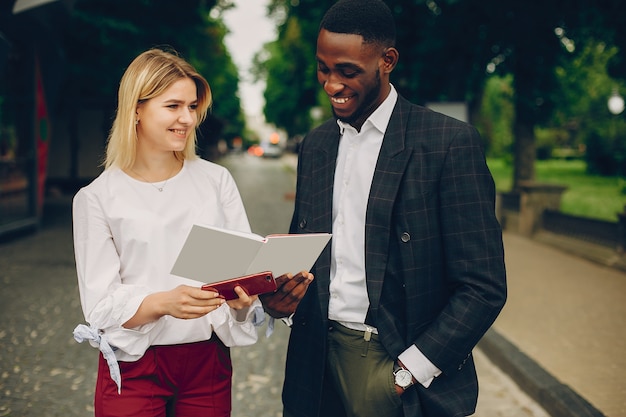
point(43, 371)
point(561, 336)
point(562, 333)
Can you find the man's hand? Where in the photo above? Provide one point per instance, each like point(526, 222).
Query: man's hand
point(290, 292)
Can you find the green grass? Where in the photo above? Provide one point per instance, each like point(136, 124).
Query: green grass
point(587, 195)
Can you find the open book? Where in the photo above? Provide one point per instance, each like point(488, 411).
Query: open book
point(212, 254)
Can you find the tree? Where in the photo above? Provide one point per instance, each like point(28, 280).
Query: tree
point(496, 116)
point(585, 87)
point(288, 65)
point(103, 36)
point(448, 49)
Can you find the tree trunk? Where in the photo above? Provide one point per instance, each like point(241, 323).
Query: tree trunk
point(526, 111)
point(524, 155)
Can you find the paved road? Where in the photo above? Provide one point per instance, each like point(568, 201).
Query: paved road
point(44, 372)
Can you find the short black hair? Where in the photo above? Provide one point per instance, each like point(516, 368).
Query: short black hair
point(371, 19)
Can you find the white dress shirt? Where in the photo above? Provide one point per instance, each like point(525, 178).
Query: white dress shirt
point(356, 161)
point(354, 171)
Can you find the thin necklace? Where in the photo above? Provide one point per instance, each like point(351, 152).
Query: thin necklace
point(159, 188)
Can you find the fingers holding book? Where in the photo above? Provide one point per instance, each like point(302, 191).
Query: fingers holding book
point(291, 289)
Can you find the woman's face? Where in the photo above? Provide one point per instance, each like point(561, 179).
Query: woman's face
point(166, 121)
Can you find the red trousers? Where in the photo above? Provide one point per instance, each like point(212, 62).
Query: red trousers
point(189, 380)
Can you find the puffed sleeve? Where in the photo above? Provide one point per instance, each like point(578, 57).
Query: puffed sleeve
point(107, 302)
point(237, 327)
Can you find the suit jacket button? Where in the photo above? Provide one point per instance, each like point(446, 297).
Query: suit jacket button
point(302, 224)
point(405, 237)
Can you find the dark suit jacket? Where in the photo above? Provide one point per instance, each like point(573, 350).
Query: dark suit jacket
point(434, 257)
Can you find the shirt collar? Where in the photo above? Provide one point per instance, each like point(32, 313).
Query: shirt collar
point(380, 117)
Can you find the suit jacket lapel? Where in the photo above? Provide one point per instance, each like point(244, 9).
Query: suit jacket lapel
point(392, 162)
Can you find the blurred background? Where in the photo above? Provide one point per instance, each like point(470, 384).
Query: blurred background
point(542, 80)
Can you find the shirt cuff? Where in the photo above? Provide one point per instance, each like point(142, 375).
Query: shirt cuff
point(422, 369)
point(254, 314)
point(288, 320)
point(270, 324)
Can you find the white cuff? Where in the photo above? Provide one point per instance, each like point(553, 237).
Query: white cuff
point(270, 324)
point(422, 369)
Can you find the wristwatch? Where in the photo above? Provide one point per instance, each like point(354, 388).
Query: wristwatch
point(403, 378)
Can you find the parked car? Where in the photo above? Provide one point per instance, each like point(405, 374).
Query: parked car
point(271, 150)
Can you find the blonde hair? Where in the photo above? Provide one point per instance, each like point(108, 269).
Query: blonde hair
point(148, 76)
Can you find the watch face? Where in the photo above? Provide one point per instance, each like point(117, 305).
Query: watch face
point(403, 378)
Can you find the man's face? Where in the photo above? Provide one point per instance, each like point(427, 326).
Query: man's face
point(350, 72)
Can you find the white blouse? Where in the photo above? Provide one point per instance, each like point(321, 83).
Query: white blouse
point(127, 235)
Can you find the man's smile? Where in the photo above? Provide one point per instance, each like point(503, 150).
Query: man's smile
point(340, 100)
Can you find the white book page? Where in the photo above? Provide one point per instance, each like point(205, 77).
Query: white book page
point(283, 254)
point(212, 254)
point(247, 235)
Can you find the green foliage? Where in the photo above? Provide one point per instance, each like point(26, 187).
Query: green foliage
point(289, 78)
point(496, 116)
point(580, 121)
point(549, 142)
point(606, 152)
point(103, 36)
point(585, 86)
point(214, 61)
point(108, 34)
point(289, 67)
point(449, 50)
point(593, 196)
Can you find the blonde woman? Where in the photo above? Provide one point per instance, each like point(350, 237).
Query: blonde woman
point(163, 341)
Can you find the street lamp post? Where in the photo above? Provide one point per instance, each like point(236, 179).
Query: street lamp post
point(616, 107)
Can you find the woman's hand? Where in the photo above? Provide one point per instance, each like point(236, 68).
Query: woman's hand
point(186, 302)
point(244, 300)
point(182, 302)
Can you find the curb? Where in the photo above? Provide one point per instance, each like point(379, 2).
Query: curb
point(558, 399)
point(593, 252)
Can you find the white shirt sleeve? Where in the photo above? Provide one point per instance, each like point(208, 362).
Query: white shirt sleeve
point(422, 369)
point(233, 332)
point(98, 270)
